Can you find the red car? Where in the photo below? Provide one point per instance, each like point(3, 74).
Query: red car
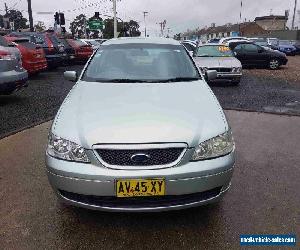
point(33, 56)
point(82, 51)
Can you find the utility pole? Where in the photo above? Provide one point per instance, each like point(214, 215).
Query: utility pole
point(30, 15)
point(293, 22)
point(145, 14)
point(115, 18)
point(6, 8)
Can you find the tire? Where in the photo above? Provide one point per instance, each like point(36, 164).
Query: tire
point(274, 64)
point(235, 82)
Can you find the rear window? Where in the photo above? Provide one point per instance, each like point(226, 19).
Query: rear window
point(26, 44)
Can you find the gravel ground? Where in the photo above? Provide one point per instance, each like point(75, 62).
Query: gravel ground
point(39, 102)
point(290, 73)
point(259, 93)
point(260, 90)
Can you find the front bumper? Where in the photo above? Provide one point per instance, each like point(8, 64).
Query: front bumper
point(93, 187)
point(229, 76)
point(12, 81)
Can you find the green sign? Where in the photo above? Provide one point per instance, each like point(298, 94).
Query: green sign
point(95, 25)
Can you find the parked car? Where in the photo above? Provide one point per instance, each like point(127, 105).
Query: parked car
point(49, 42)
point(214, 40)
point(92, 42)
point(250, 54)
point(189, 45)
point(33, 56)
point(140, 131)
point(296, 44)
point(286, 47)
point(220, 58)
point(13, 76)
point(226, 40)
point(82, 51)
point(69, 51)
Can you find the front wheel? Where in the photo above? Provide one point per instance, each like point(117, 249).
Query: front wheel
point(274, 64)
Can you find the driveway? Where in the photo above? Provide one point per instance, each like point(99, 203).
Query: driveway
point(264, 198)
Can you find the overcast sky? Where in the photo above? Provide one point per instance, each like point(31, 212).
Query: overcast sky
point(179, 14)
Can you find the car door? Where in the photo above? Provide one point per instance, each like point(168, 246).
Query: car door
point(239, 54)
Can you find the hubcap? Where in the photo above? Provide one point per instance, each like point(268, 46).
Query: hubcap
point(274, 64)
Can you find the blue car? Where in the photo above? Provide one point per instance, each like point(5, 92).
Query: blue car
point(286, 47)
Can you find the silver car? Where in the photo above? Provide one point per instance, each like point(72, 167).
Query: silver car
point(140, 131)
point(220, 58)
point(12, 75)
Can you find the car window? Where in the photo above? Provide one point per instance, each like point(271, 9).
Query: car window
point(250, 48)
point(188, 46)
point(141, 62)
point(214, 51)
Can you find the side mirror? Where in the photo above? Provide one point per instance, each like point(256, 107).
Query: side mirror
point(71, 76)
point(191, 53)
point(235, 53)
point(12, 45)
point(211, 75)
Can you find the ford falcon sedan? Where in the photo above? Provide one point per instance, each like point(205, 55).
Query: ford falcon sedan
point(140, 131)
point(220, 58)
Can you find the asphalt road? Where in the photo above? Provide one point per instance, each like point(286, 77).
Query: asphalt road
point(41, 100)
point(263, 198)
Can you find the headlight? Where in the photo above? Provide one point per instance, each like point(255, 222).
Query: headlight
point(237, 70)
point(65, 150)
point(215, 147)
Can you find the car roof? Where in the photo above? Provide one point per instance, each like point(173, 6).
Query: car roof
point(126, 40)
point(213, 44)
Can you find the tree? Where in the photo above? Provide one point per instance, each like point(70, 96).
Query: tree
point(1, 21)
point(18, 19)
point(77, 27)
point(40, 26)
point(130, 28)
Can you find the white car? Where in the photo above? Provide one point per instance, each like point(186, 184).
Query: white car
point(225, 40)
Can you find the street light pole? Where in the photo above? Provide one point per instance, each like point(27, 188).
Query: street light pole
point(294, 14)
point(115, 18)
point(145, 14)
point(30, 15)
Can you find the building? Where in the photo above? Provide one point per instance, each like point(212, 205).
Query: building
point(249, 29)
point(272, 22)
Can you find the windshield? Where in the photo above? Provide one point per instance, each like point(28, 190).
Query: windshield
point(285, 43)
point(141, 63)
point(214, 51)
point(261, 43)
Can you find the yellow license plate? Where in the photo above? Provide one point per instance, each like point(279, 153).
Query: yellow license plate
point(135, 188)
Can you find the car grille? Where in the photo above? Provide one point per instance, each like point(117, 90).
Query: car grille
point(157, 157)
point(141, 202)
point(222, 70)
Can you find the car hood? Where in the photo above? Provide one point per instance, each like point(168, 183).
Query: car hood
point(217, 62)
point(109, 113)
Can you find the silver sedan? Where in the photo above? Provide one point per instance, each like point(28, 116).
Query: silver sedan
point(220, 58)
point(140, 131)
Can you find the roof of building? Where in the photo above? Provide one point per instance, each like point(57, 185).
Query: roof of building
point(271, 17)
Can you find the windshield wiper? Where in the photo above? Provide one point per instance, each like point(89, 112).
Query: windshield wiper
point(205, 55)
point(125, 80)
point(180, 79)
